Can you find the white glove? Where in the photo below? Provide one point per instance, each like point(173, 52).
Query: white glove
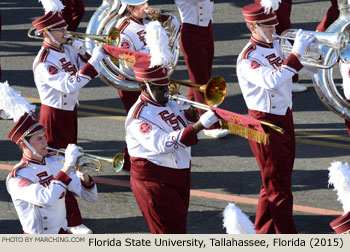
point(182, 104)
point(208, 119)
point(97, 55)
point(302, 41)
point(71, 154)
point(79, 45)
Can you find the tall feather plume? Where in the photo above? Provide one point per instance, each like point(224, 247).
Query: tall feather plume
point(158, 43)
point(270, 5)
point(339, 177)
point(13, 103)
point(52, 5)
point(236, 222)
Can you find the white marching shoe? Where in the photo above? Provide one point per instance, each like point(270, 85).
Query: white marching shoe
point(298, 88)
point(81, 229)
point(216, 133)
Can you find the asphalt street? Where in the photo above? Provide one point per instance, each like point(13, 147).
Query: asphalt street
point(223, 170)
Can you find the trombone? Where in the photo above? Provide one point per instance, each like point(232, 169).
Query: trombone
point(112, 38)
point(214, 91)
point(95, 161)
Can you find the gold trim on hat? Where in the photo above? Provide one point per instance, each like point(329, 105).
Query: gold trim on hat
point(252, 15)
point(19, 127)
point(49, 27)
point(28, 131)
point(264, 20)
point(342, 224)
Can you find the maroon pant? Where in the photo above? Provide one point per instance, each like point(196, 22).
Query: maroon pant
point(197, 45)
point(73, 13)
point(275, 206)
point(61, 130)
point(162, 194)
point(331, 15)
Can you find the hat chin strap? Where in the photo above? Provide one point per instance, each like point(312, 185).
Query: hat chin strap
point(262, 33)
point(31, 148)
point(150, 93)
point(52, 38)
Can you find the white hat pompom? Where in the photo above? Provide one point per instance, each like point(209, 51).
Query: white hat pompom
point(158, 43)
point(13, 103)
point(52, 5)
point(270, 5)
point(236, 222)
point(339, 177)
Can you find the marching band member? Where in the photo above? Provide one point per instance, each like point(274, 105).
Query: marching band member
point(60, 71)
point(265, 80)
point(159, 136)
point(38, 183)
point(197, 45)
point(135, 16)
point(283, 17)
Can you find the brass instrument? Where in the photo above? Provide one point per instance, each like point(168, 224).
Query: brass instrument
point(214, 91)
point(102, 21)
point(95, 161)
point(314, 56)
point(112, 38)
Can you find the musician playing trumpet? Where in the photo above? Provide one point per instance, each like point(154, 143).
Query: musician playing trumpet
point(60, 71)
point(39, 182)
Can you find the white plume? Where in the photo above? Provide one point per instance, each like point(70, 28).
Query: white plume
point(270, 5)
point(13, 103)
point(52, 5)
point(236, 222)
point(158, 43)
point(339, 177)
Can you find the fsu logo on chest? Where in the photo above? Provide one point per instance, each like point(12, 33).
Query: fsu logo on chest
point(274, 61)
point(68, 67)
point(44, 179)
point(170, 119)
point(141, 35)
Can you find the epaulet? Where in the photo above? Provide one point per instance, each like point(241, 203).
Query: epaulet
point(248, 50)
point(138, 109)
point(124, 24)
point(18, 166)
point(43, 55)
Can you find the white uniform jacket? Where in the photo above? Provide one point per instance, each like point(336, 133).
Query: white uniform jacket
point(196, 12)
point(132, 37)
point(37, 191)
point(59, 75)
point(160, 134)
point(266, 79)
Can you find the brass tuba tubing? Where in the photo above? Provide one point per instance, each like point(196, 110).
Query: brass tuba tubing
point(116, 162)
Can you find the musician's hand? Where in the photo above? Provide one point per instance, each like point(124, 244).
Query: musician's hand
point(155, 13)
point(72, 153)
point(97, 55)
point(79, 46)
point(302, 41)
point(182, 104)
point(208, 118)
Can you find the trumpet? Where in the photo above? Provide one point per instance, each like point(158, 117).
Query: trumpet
point(95, 161)
point(214, 91)
point(112, 38)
